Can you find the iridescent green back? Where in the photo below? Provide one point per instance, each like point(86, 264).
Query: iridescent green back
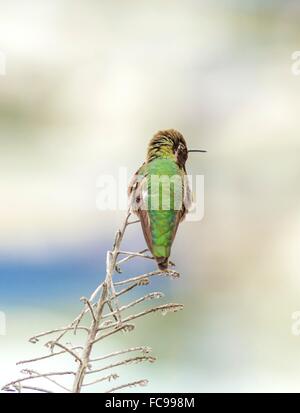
point(164, 202)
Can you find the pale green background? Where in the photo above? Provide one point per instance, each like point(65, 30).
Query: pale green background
point(87, 85)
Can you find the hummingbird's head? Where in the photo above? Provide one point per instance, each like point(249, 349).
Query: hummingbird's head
point(169, 144)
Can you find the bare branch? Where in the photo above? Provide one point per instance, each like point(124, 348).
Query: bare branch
point(143, 349)
point(35, 339)
point(109, 378)
point(131, 255)
point(60, 373)
point(106, 314)
point(134, 222)
point(166, 273)
point(47, 356)
point(31, 372)
point(132, 360)
point(88, 303)
point(165, 308)
point(89, 342)
point(150, 296)
point(132, 384)
point(125, 290)
point(67, 350)
point(123, 327)
point(39, 389)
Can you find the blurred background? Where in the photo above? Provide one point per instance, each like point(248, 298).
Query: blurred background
point(87, 84)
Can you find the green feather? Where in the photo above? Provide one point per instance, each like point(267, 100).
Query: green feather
point(163, 221)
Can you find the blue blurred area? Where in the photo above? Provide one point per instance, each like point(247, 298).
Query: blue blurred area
point(60, 277)
point(63, 276)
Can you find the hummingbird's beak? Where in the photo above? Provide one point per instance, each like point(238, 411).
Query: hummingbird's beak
point(196, 150)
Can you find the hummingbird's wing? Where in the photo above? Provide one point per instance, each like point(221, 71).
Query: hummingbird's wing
point(134, 188)
point(137, 194)
point(186, 204)
point(187, 197)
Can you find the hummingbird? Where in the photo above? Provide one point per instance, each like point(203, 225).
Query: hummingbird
point(159, 192)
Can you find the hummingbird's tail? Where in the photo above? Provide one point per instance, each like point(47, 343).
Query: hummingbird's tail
point(163, 263)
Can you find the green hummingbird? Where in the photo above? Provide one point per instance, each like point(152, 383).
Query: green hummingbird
point(159, 192)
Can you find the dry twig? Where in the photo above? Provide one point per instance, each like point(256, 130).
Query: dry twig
point(105, 314)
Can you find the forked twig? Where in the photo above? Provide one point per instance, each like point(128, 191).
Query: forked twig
point(105, 315)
